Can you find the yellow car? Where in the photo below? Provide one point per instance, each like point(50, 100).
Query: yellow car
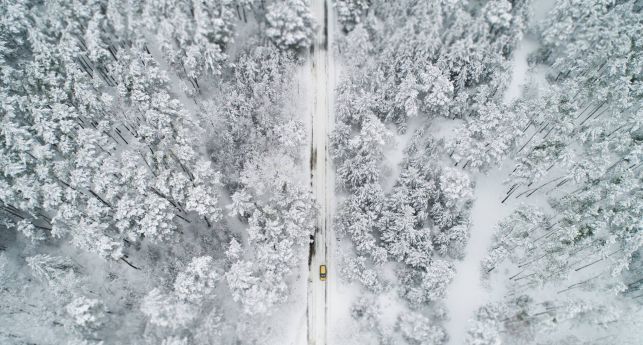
point(322, 272)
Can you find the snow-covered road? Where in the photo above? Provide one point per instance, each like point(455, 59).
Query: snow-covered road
point(321, 170)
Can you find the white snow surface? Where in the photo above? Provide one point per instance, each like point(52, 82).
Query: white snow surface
point(394, 153)
point(540, 8)
point(466, 292)
point(519, 69)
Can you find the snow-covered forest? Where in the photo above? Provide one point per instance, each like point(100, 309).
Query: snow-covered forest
point(160, 172)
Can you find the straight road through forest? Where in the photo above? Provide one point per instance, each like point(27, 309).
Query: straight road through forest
point(322, 179)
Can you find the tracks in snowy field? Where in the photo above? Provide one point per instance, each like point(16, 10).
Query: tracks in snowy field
point(322, 175)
